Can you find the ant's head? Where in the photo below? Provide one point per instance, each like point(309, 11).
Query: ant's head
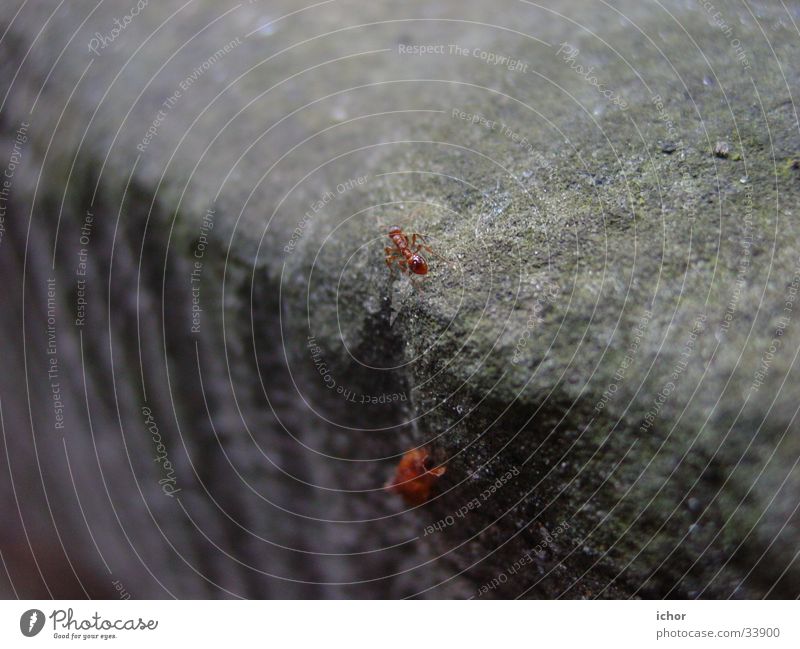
point(418, 265)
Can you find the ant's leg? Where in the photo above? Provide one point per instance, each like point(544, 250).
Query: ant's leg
point(393, 257)
point(393, 253)
point(423, 246)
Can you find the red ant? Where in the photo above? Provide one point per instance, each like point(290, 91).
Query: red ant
point(407, 255)
point(415, 477)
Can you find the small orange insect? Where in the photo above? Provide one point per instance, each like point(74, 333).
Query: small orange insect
point(407, 255)
point(414, 477)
